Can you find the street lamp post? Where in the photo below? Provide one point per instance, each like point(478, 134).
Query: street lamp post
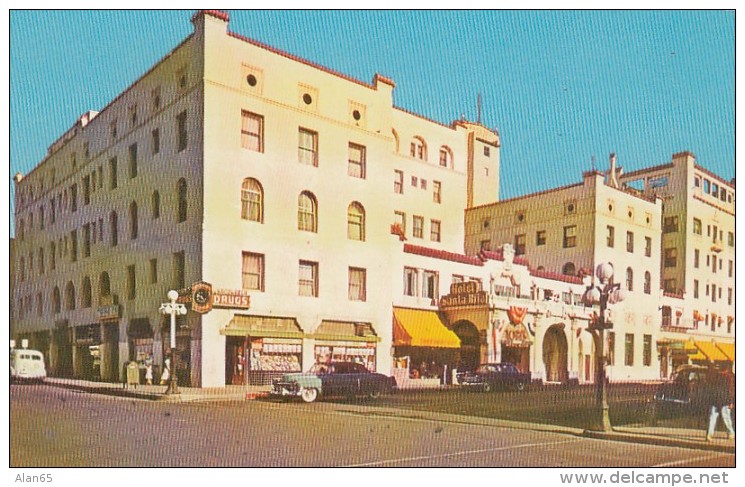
point(604, 294)
point(173, 308)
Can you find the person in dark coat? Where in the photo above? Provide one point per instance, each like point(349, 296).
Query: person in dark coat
point(720, 389)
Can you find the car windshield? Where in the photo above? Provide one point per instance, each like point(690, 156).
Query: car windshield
point(486, 368)
point(319, 369)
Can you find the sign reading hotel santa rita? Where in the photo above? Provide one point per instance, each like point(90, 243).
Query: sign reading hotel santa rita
point(231, 298)
point(465, 294)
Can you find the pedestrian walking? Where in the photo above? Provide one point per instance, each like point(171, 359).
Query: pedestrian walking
point(149, 373)
point(720, 394)
point(166, 372)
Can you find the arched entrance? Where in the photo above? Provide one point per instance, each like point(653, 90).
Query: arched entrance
point(470, 345)
point(555, 354)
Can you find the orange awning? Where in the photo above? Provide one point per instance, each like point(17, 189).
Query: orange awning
point(708, 351)
point(420, 328)
point(728, 349)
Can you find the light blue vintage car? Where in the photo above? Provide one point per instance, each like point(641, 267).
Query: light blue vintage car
point(347, 379)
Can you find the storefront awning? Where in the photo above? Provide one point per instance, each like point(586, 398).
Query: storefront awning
point(262, 326)
point(419, 328)
point(346, 331)
point(708, 351)
point(728, 349)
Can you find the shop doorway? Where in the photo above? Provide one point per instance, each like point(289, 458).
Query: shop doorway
point(470, 345)
point(555, 354)
point(61, 360)
point(183, 348)
point(235, 360)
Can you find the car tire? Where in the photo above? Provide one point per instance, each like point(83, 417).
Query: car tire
point(486, 387)
point(520, 386)
point(375, 394)
point(309, 394)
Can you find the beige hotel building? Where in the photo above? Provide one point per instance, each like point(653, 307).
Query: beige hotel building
point(328, 223)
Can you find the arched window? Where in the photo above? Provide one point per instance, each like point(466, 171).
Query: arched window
point(56, 301)
point(307, 212)
point(629, 279)
point(568, 269)
point(70, 296)
point(182, 202)
point(252, 200)
point(395, 140)
point(356, 222)
point(418, 148)
point(647, 283)
point(133, 227)
point(156, 204)
point(114, 228)
point(87, 298)
point(446, 156)
point(104, 288)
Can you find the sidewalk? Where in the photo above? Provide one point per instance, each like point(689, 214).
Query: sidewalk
point(638, 433)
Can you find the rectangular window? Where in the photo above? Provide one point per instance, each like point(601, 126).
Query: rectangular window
point(181, 131)
point(695, 289)
point(308, 278)
point(520, 244)
point(671, 257)
point(731, 269)
point(253, 271)
point(647, 350)
point(670, 224)
point(252, 131)
point(570, 236)
point(100, 177)
point(629, 350)
point(629, 241)
point(540, 237)
point(86, 190)
point(714, 264)
point(436, 191)
point(86, 240)
point(133, 161)
point(430, 287)
point(696, 226)
point(434, 230)
point(670, 285)
point(729, 296)
point(179, 270)
point(713, 293)
point(696, 258)
point(410, 281)
point(113, 173)
point(398, 182)
point(611, 348)
point(52, 210)
point(356, 164)
point(647, 246)
point(155, 98)
point(74, 245)
point(423, 183)
point(418, 231)
point(414, 181)
point(153, 274)
point(73, 199)
point(133, 115)
point(131, 283)
point(307, 150)
point(155, 140)
point(52, 256)
point(113, 130)
point(400, 218)
point(731, 239)
point(610, 239)
point(357, 284)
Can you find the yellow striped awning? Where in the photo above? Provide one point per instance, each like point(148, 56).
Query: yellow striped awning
point(727, 349)
point(708, 351)
point(420, 328)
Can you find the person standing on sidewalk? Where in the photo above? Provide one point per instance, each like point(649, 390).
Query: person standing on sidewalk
point(721, 397)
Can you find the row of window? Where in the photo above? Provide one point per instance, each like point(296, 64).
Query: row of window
point(93, 232)
point(67, 200)
point(714, 262)
point(435, 226)
point(713, 291)
point(628, 359)
point(416, 182)
point(713, 188)
point(104, 288)
point(714, 232)
point(253, 277)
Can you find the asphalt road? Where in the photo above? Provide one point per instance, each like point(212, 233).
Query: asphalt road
point(52, 427)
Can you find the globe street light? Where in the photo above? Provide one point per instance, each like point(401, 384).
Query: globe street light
point(173, 309)
point(604, 294)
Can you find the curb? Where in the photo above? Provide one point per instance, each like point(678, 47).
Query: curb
point(658, 440)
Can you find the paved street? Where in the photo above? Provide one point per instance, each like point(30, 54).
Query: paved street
point(57, 427)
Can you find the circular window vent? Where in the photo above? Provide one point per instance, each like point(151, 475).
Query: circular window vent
point(307, 99)
point(251, 80)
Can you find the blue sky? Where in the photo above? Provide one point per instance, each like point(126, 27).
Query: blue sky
point(560, 86)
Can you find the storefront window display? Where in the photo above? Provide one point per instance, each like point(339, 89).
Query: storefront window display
point(271, 357)
point(359, 352)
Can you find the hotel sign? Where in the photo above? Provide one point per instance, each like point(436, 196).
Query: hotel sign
point(231, 298)
point(465, 294)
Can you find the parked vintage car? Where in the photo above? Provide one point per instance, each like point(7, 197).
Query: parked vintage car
point(682, 394)
point(347, 379)
point(27, 365)
point(488, 377)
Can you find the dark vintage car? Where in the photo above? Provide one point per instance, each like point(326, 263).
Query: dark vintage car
point(488, 377)
point(683, 394)
point(347, 379)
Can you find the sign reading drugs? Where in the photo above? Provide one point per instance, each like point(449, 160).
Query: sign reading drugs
point(231, 298)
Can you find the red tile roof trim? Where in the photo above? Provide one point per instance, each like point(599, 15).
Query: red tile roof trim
point(712, 175)
point(218, 14)
point(491, 254)
point(298, 59)
point(702, 200)
point(442, 254)
point(526, 196)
